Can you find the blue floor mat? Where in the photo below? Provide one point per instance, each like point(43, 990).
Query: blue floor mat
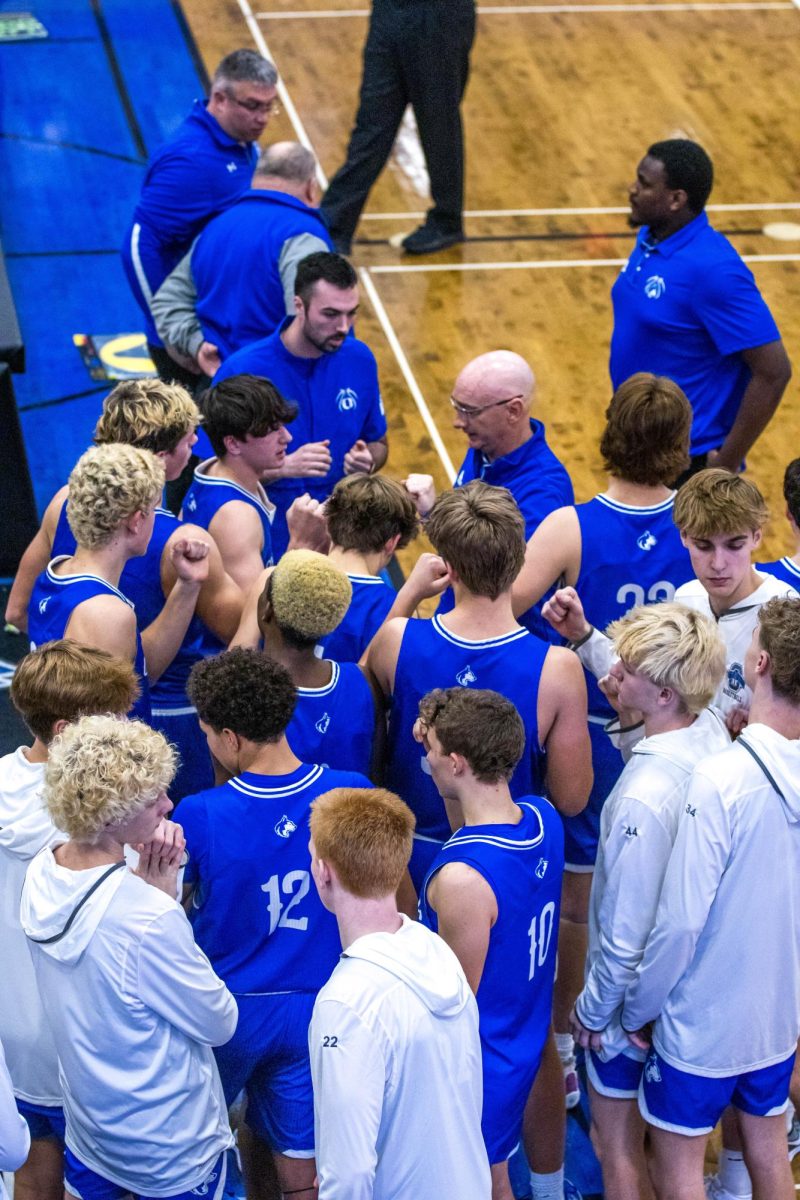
point(80, 113)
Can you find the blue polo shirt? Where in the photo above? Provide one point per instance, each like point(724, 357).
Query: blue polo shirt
point(686, 308)
point(338, 397)
point(198, 173)
point(539, 483)
point(235, 266)
point(536, 479)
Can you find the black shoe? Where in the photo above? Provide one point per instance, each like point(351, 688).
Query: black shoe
point(428, 239)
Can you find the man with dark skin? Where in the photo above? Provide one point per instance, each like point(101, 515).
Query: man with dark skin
point(686, 306)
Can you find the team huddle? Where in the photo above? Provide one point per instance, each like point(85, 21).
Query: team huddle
point(644, 766)
point(291, 868)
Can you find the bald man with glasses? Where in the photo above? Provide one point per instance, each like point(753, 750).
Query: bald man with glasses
point(492, 400)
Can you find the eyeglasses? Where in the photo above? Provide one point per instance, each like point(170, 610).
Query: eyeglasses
point(468, 411)
point(271, 107)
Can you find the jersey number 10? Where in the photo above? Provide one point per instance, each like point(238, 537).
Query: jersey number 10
point(541, 933)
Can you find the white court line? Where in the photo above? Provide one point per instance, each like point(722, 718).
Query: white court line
point(529, 9)
point(285, 98)
point(369, 286)
point(556, 264)
point(408, 374)
point(791, 205)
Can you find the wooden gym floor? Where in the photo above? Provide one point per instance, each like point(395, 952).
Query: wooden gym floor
point(563, 100)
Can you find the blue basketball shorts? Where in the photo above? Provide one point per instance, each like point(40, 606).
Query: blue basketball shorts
point(618, 1078)
point(44, 1120)
point(683, 1102)
point(268, 1058)
point(80, 1181)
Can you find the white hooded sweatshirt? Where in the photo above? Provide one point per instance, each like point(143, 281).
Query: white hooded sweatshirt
point(135, 1007)
point(25, 829)
point(722, 966)
point(638, 826)
point(396, 1064)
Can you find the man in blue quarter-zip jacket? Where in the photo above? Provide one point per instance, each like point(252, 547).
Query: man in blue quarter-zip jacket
point(236, 284)
point(203, 169)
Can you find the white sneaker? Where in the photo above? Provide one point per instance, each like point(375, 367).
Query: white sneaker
point(793, 1137)
point(715, 1190)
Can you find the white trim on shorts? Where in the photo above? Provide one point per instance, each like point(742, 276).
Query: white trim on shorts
point(602, 1088)
point(684, 1130)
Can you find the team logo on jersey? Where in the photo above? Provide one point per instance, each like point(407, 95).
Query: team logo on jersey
point(43, 604)
point(466, 677)
point(651, 1070)
point(231, 167)
point(346, 400)
point(655, 287)
point(322, 724)
point(646, 540)
point(735, 678)
point(191, 504)
point(205, 1188)
point(285, 827)
point(541, 867)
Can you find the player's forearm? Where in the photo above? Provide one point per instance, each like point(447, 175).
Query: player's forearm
point(379, 451)
point(220, 608)
point(162, 638)
point(31, 565)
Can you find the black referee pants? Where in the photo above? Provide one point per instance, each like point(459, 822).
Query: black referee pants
point(417, 52)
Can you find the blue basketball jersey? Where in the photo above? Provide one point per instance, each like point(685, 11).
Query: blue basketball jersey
point(372, 599)
point(207, 495)
point(784, 569)
point(140, 582)
point(255, 910)
point(335, 725)
point(54, 599)
point(628, 556)
point(430, 657)
point(523, 866)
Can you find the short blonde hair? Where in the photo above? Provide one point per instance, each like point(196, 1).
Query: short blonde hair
point(716, 502)
point(673, 646)
point(103, 770)
point(108, 484)
point(309, 596)
point(147, 413)
point(366, 835)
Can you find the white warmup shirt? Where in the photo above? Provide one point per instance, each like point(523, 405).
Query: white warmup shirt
point(25, 829)
point(396, 1065)
point(735, 628)
point(15, 1139)
point(638, 825)
point(135, 1007)
point(722, 967)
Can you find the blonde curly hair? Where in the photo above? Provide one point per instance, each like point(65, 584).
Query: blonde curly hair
point(147, 413)
point(103, 770)
point(108, 484)
point(309, 594)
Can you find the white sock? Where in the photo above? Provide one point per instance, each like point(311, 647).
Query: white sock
point(565, 1044)
point(548, 1187)
point(733, 1173)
